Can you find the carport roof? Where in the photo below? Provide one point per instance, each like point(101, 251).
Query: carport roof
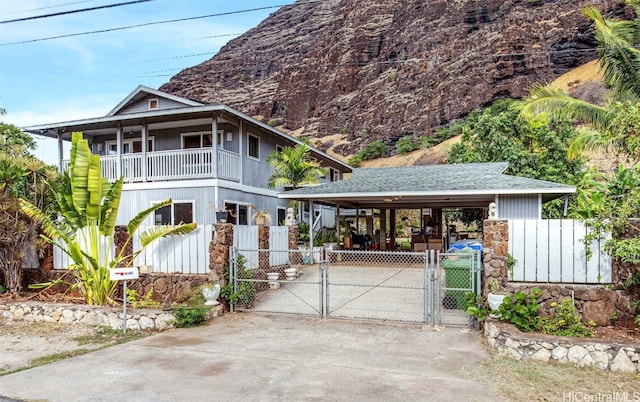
point(461, 185)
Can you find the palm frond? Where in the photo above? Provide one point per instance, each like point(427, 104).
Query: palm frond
point(137, 220)
point(156, 232)
point(550, 99)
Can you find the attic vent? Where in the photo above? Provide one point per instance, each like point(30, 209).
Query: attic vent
point(153, 104)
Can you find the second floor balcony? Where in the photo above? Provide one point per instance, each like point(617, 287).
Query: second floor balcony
point(180, 164)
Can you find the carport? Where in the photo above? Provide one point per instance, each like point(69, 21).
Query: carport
point(407, 286)
point(433, 188)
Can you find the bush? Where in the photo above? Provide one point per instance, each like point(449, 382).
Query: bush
point(521, 310)
point(190, 316)
point(406, 145)
point(355, 160)
point(145, 301)
point(377, 149)
point(565, 321)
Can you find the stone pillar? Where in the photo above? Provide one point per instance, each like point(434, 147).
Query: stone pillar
point(294, 236)
point(219, 251)
point(263, 246)
point(120, 236)
point(494, 254)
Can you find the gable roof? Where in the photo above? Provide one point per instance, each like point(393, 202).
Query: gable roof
point(142, 92)
point(465, 184)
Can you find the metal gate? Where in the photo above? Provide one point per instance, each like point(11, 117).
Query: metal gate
point(424, 288)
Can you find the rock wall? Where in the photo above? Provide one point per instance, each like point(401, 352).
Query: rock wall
point(137, 319)
point(600, 353)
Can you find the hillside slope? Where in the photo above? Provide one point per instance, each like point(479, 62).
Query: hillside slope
point(358, 71)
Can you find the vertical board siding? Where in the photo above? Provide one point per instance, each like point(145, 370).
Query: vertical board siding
point(245, 239)
point(518, 206)
point(552, 251)
point(278, 244)
point(188, 254)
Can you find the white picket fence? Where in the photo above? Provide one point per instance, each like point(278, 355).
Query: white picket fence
point(552, 251)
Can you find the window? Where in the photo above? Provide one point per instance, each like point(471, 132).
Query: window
point(254, 146)
point(334, 175)
point(197, 140)
point(279, 148)
point(178, 212)
point(282, 216)
point(153, 104)
point(130, 145)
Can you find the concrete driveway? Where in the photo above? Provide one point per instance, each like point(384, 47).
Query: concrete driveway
point(251, 357)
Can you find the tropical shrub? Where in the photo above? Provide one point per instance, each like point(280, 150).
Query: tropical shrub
point(521, 310)
point(87, 206)
point(565, 321)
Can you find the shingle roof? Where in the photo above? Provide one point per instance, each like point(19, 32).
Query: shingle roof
point(435, 179)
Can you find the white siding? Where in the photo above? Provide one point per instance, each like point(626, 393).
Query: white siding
point(519, 207)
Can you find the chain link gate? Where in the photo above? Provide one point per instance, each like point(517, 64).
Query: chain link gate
point(370, 285)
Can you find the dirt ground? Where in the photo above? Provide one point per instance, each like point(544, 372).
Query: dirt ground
point(21, 344)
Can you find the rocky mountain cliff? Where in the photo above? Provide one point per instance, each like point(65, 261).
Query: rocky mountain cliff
point(353, 71)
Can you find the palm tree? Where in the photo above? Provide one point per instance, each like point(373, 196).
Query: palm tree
point(293, 167)
point(619, 62)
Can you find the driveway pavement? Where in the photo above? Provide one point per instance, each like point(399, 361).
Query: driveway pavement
point(251, 357)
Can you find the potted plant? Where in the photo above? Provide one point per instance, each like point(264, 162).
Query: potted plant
point(262, 217)
point(496, 294)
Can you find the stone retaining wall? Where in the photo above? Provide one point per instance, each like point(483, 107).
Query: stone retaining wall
point(137, 319)
point(509, 341)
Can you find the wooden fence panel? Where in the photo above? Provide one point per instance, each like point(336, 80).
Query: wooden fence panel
point(278, 245)
point(245, 240)
point(553, 251)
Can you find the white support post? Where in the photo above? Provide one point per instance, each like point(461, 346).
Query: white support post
point(60, 149)
point(311, 226)
point(242, 152)
point(145, 142)
point(214, 139)
point(119, 151)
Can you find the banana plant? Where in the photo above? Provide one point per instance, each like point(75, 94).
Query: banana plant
point(87, 206)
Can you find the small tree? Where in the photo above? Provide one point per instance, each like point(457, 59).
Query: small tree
point(294, 167)
point(21, 176)
point(87, 205)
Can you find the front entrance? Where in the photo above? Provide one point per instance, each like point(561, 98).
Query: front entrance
point(425, 288)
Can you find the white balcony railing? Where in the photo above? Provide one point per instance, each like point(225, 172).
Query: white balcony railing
point(171, 165)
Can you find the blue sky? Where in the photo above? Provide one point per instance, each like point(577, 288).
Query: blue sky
point(86, 76)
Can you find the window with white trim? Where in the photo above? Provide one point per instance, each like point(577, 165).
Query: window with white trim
point(129, 146)
point(197, 140)
point(279, 148)
point(154, 103)
point(174, 214)
point(253, 145)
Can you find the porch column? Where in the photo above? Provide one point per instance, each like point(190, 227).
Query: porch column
point(392, 228)
point(383, 229)
point(119, 152)
point(369, 222)
point(241, 151)
point(311, 225)
point(60, 149)
point(214, 139)
point(145, 141)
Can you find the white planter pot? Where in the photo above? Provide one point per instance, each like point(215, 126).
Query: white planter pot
point(495, 300)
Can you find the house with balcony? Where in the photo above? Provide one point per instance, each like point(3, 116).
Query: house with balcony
point(204, 156)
